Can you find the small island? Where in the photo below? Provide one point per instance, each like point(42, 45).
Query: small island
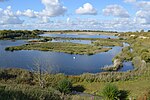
point(71, 48)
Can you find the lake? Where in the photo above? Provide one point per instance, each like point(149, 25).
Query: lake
point(57, 62)
point(73, 41)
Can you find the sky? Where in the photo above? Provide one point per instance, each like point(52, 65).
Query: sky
point(107, 15)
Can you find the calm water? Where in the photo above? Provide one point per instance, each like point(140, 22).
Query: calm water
point(127, 66)
point(73, 41)
point(78, 36)
point(59, 62)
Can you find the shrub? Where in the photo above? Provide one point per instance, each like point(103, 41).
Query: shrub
point(146, 56)
point(136, 61)
point(111, 92)
point(64, 86)
point(5, 75)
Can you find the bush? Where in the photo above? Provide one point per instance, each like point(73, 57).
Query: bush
point(64, 86)
point(111, 92)
point(5, 75)
point(146, 56)
point(18, 92)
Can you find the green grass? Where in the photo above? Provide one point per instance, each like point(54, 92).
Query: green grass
point(71, 48)
point(108, 42)
point(72, 38)
point(136, 88)
point(26, 92)
point(140, 47)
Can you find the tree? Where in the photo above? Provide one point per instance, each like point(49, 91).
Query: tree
point(42, 68)
point(142, 31)
point(40, 73)
point(111, 92)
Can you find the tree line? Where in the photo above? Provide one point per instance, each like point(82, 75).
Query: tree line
point(19, 33)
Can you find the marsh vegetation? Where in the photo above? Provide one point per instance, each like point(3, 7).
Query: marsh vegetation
point(71, 48)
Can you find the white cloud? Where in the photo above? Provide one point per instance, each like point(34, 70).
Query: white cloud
point(129, 1)
point(143, 17)
point(87, 9)
point(8, 17)
point(68, 20)
point(8, 11)
point(116, 10)
point(116, 24)
point(143, 14)
point(119, 24)
point(53, 8)
point(28, 13)
point(145, 5)
point(44, 19)
point(11, 20)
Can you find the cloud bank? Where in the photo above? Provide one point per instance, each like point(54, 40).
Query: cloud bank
point(111, 17)
point(116, 11)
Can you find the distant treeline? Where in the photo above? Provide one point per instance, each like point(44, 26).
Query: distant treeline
point(79, 31)
point(13, 34)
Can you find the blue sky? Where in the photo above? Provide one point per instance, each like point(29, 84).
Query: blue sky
point(115, 15)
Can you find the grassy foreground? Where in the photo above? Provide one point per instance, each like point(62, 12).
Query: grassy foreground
point(19, 83)
point(136, 88)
